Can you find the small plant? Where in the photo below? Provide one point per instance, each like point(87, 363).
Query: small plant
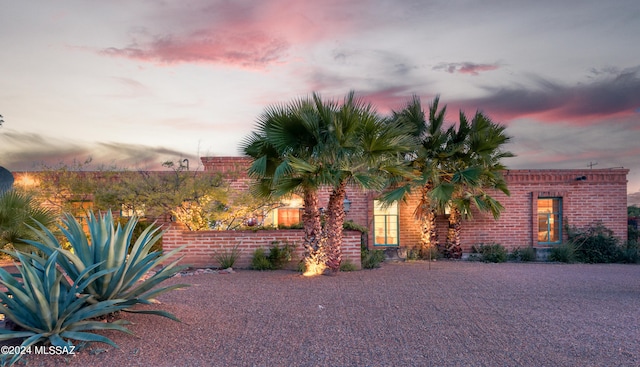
point(491, 253)
point(413, 254)
point(46, 306)
point(227, 259)
point(525, 254)
point(277, 258)
point(347, 265)
point(423, 253)
point(280, 256)
point(372, 259)
point(259, 260)
point(565, 253)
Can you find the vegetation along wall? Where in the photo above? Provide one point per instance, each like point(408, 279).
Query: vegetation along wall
point(202, 245)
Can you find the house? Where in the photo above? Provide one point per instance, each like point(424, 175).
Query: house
point(541, 205)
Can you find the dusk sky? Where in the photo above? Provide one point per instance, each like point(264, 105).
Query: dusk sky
point(136, 83)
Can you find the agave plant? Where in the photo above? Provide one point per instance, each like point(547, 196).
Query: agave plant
point(46, 306)
point(107, 249)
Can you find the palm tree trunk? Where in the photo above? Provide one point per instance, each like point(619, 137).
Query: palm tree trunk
point(453, 248)
point(429, 233)
point(314, 251)
point(334, 226)
point(429, 236)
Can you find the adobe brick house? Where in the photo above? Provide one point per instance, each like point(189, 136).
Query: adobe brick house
point(541, 203)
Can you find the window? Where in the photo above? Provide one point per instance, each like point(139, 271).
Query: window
point(549, 221)
point(289, 216)
point(385, 224)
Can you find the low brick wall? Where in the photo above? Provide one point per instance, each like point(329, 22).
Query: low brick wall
point(202, 245)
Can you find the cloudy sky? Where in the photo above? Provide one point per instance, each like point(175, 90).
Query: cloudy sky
point(136, 83)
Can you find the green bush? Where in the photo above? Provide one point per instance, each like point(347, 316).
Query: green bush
point(226, 259)
point(118, 264)
point(277, 258)
point(525, 254)
point(491, 253)
point(372, 259)
point(419, 253)
point(280, 256)
point(259, 260)
point(347, 265)
point(565, 253)
point(46, 306)
point(596, 244)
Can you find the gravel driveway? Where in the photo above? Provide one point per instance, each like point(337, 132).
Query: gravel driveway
point(456, 314)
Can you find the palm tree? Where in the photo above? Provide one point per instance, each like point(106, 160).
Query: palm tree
point(365, 150)
point(453, 167)
point(483, 154)
point(18, 212)
point(284, 147)
point(429, 160)
point(314, 142)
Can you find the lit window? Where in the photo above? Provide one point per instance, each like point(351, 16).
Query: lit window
point(549, 220)
point(289, 214)
point(385, 224)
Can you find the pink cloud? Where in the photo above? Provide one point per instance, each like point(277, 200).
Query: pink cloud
point(466, 67)
point(584, 104)
point(249, 50)
point(244, 35)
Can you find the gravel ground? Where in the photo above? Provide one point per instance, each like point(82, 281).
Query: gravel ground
point(455, 314)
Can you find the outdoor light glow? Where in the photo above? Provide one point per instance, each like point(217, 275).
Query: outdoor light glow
point(25, 180)
point(313, 268)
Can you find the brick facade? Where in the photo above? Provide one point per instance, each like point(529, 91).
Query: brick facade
point(588, 196)
point(202, 245)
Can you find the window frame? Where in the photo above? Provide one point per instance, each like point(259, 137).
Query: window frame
point(549, 215)
point(387, 217)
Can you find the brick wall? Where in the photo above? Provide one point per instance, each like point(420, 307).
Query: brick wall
point(202, 245)
point(601, 196)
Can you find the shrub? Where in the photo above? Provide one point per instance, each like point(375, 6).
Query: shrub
point(227, 259)
point(423, 253)
point(596, 244)
point(347, 265)
point(104, 251)
point(565, 253)
point(277, 258)
point(524, 254)
point(491, 253)
point(47, 306)
point(259, 260)
point(372, 259)
point(280, 256)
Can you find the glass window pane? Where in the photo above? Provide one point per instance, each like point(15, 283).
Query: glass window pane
point(385, 224)
point(549, 220)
